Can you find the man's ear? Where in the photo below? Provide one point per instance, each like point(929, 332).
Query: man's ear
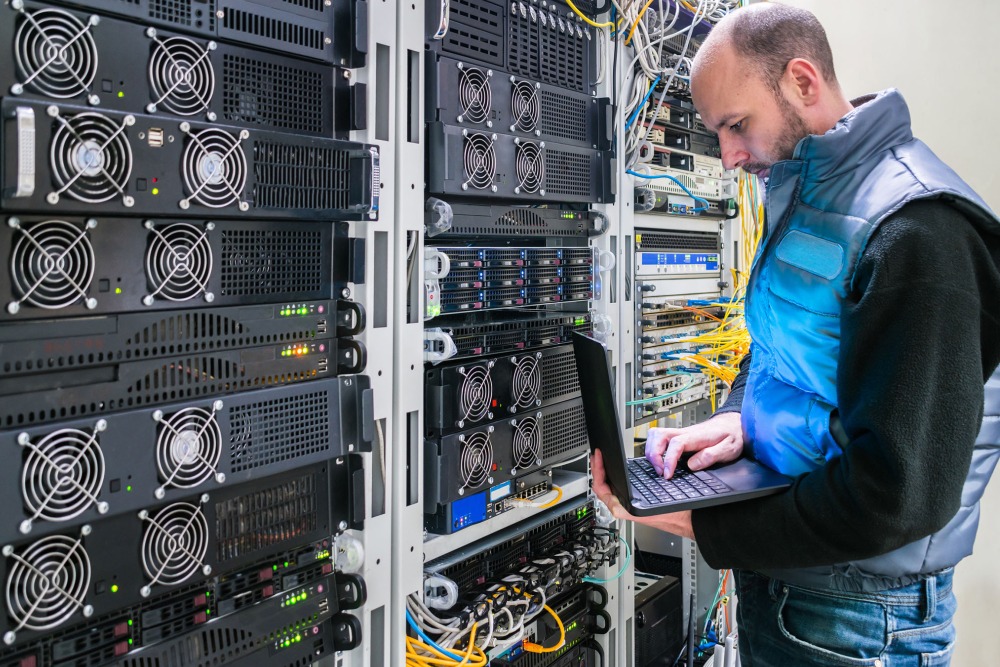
point(802, 81)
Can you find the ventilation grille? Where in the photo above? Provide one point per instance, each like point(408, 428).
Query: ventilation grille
point(677, 241)
point(312, 5)
point(522, 55)
point(198, 326)
point(206, 372)
point(300, 177)
point(249, 23)
point(256, 262)
point(267, 432)
point(256, 521)
point(559, 377)
point(270, 95)
point(207, 647)
point(475, 30)
point(183, 12)
point(548, 54)
point(563, 432)
point(563, 116)
point(52, 265)
point(567, 173)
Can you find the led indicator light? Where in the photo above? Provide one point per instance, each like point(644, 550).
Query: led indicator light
point(128, 488)
point(130, 622)
point(118, 290)
point(121, 93)
point(156, 191)
point(114, 588)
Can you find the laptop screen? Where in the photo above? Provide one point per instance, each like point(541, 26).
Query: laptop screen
point(600, 411)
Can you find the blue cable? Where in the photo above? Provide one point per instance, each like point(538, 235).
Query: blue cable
point(423, 635)
point(642, 104)
point(655, 176)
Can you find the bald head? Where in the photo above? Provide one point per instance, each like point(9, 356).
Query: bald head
point(766, 37)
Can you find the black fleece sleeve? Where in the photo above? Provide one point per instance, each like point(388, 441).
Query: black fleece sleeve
point(920, 336)
point(734, 401)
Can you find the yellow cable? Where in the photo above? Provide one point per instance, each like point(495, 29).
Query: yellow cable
point(532, 647)
point(555, 501)
point(637, 19)
point(589, 21)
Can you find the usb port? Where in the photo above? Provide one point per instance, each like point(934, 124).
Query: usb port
point(321, 327)
point(322, 365)
point(155, 137)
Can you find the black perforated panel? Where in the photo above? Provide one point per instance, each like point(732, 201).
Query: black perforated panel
point(563, 116)
point(269, 28)
point(677, 240)
point(567, 173)
point(256, 521)
point(271, 261)
point(183, 12)
point(278, 430)
point(259, 92)
point(563, 432)
point(298, 176)
point(559, 376)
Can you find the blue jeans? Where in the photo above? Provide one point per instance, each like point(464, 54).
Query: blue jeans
point(782, 625)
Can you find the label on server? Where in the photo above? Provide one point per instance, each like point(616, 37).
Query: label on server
point(674, 263)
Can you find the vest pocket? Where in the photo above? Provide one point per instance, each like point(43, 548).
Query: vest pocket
point(818, 423)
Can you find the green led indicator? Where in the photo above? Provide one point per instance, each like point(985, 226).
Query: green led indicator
point(121, 93)
point(114, 588)
point(130, 622)
point(118, 290)
point(286, 563)
point(208, 612)
point(274, 567)
point(129, 488)
point(130, 641)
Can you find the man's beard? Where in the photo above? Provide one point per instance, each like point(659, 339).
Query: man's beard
point(784, 148)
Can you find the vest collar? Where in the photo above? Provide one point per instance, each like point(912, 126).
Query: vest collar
point(878, 123)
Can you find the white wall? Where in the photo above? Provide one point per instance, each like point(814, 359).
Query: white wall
point(945, 59)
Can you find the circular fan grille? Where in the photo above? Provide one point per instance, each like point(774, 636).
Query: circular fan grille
point(214, 168)
point(91, 157)
point(476, 460)
point(474, 95)
point(530, 167)
point(179, 262)
point(48, 581)
point(188, 447)
point(52, 264)
point(62, 475)
point(181, 76)
point(476, 393)
point(527, 381)
point(480, 161)
point(526, 443)
point(55, 53)
point(524, 106)
point(174, 544)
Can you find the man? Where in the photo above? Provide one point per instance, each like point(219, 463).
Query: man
point(874, 310)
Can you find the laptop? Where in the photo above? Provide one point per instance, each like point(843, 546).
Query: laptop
point(634, 481)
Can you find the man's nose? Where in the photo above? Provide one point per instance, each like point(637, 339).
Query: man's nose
point(733, 153)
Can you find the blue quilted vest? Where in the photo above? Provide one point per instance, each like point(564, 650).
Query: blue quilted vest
point(822, 208)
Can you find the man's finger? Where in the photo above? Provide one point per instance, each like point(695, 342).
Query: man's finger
point(725, 451)
point(656, 445)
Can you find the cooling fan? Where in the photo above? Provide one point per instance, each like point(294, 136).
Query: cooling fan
point(47, 583)
point(476, 460)
point(524, 107)
point(62, 474)
point(474, 95)
point(188, 448)
point(214, 168)
point(526, 381)
point(480, 161)
point(54, 53)
point(91, 157)
point(476, 393)
point(51, 265)
point(527, 443)
point(174, 544)
point(178, 262)
point(181, 77)
point(530, 167)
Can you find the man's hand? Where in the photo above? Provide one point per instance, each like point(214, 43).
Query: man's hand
point(717, 440)
point(677, 523)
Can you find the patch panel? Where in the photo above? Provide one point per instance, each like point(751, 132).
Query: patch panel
point(485, 505)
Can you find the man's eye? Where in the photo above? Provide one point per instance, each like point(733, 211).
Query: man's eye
point(736, 127)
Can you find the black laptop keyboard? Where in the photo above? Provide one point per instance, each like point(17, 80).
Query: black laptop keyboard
point(684, 485)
